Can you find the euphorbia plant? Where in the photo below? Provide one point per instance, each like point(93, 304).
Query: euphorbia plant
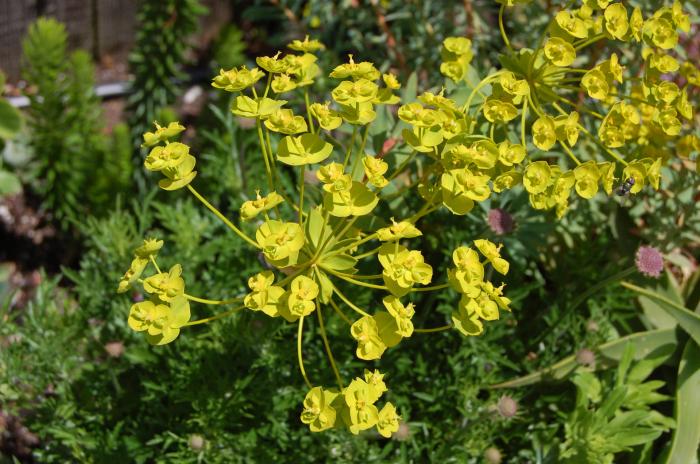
point(469, 154)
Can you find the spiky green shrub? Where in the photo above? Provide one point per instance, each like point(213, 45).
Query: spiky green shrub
point(158, 55)
point(76, 169)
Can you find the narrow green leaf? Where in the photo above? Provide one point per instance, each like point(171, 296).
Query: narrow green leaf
point(9, 183)
point(410, 90)
point(688, 320)
point(10, 120)
point(686, 436)
point(658, 318)
point(652, 343)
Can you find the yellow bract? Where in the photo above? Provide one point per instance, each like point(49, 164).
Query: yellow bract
point(161, 322)
point(280, 242)
point(559, 51)
point(252, 208)
point(235, 80)
point(403, 268)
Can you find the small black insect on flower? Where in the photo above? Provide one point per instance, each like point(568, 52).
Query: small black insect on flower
point(625, 187)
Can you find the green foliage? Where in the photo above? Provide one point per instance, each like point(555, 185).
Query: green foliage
point(686, 438)
point(615, 416)
point(76, 171)
point(229, 49)
point(10, 117)
point(391, 33)
point(158, 56)
point(230, 391)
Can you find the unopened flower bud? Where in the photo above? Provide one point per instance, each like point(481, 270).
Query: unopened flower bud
point(196, 442)
point(592, 326)
point(403, 433)
point(492, 456)
point(507, 407)
point(585, 357)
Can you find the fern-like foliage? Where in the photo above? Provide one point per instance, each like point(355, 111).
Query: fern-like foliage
point(157, 57)
point(77, 171)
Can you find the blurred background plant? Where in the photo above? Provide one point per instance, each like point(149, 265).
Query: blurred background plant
point(157, 60)
point(77, 385)
point(74, 168)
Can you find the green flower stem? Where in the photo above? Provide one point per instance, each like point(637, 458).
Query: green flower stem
point(153, 260)
point(479, 86)
point(213, 318)
point(401, 190)
point(570, 153)
point(361, 152)
point(270, 154)
point(364, 277)
point(500, 26)
point(572, 80)
point(590, 41)
point(523, 118)
point(600, 285)
point(339, 236)
point(573, 104)
point(355, 244)
point(333, 140)
point(212, 302)
point(350, 146)
point(653, 295)
point(334, 234)
point(538, 49)
point(276, 180)
point(268, 171)
point(302, 268)
point(300, 358)
point(308, 109)
point(402, 166)
point(348, 302)
point(223, 218)
point(599, 143)
point(430, 289)
point(267, 86)
point(425, 210)
point(302, 182)
point(532, 104)
point(434, 329)
point(369, 253)
point(632, 99)
point(477, 113)
point(323, 240)
point(568, 87)
point(347, 278)
point(340, 312)
point(328, 346)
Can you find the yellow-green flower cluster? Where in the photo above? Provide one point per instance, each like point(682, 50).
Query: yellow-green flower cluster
point(456, 55)
point(551, 119)
point(354, 407)
point(634, 130)
point(168, 309)
point(480, 300)
point(173, 159)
